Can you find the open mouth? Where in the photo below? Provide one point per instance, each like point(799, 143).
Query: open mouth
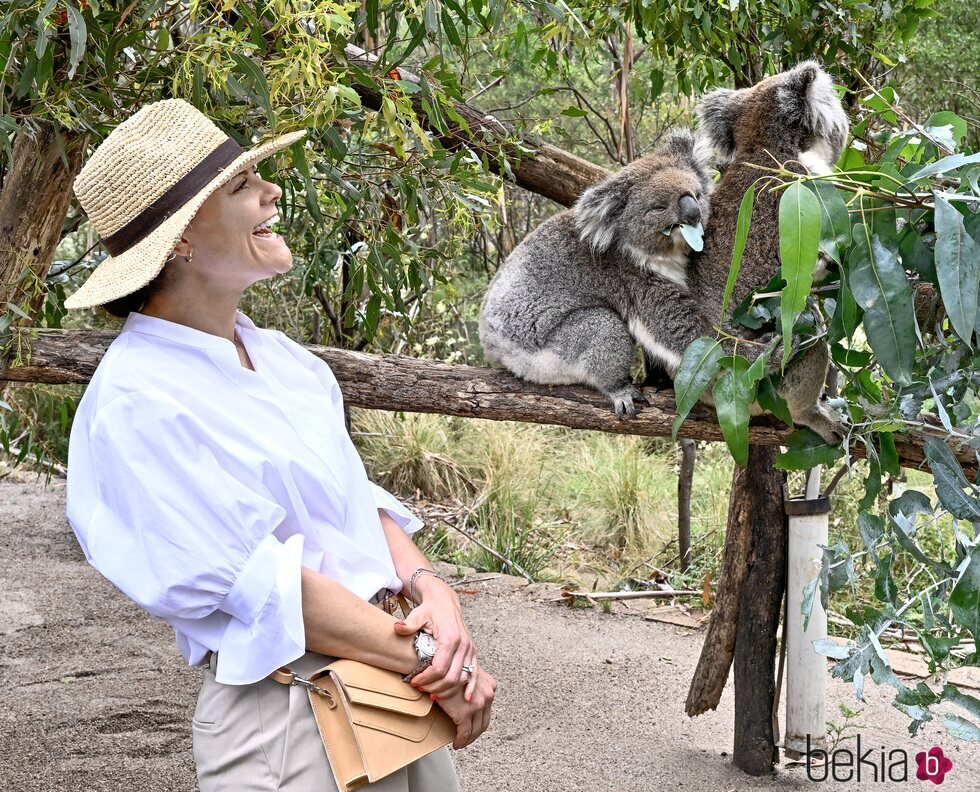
point(264, 231)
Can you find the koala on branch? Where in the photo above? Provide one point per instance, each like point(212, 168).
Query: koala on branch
point(571, 301)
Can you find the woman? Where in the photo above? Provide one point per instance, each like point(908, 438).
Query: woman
point(210, 477)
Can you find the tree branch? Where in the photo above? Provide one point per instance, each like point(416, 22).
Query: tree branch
point(393, 382)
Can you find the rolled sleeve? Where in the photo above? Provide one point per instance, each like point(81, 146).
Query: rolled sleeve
point(267, 631)
point(407, 521)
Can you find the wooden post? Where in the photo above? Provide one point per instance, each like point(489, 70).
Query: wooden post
point(761, 487)
point(806, 671)
point(685, 483)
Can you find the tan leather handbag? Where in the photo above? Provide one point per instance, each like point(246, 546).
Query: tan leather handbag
point(372, 723)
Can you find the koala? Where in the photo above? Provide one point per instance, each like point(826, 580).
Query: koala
point(795, 118)
point(570, 302)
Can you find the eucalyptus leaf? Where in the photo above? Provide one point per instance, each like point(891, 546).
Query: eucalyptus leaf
point(78, 33)
point(696, 370)
point(881, 288)
point(961, 728)
point(957, 268)
point(964, 599)
point(950, 480)
point(835, 224)
point(799, 245)
point(694, 236)
point(741, 236)
point(806, 449)
point(846, 317)
point(732, 395)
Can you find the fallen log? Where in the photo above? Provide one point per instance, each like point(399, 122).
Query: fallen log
point(396, 382)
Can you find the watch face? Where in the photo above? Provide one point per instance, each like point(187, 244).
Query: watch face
point(425, 645)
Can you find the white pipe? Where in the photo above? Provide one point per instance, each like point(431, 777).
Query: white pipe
point(806, 671)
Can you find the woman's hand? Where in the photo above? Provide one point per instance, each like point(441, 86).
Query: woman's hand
point(440, 614)
point(472, 717)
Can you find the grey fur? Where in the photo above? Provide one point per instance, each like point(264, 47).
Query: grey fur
point(796, 118)
point(566, 305)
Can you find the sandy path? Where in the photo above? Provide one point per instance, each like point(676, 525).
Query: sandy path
point(94, 695)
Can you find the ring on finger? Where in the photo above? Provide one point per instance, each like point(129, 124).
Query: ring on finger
point(469, 669)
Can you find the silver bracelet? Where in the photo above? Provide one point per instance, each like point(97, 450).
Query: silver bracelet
point(415, 576)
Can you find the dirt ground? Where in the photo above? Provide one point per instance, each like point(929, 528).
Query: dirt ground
point(94, 696)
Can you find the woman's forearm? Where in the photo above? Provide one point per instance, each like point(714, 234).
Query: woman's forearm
point(340, 624)
point(406, 557)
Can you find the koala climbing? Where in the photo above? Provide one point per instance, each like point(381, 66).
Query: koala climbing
point(795, 118)
point(567, 304)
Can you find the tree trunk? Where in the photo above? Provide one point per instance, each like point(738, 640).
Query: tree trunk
point(761, 486)
point(33, 205)
point(718, 649)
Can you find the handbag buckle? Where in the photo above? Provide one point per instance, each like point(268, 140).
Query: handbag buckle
point(310, 685)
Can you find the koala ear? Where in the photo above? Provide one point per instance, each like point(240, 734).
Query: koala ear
point(717, 113)
point(807, 94)
point(597, 211)
point(677, 142)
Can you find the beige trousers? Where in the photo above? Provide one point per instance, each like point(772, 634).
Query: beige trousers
point(263, 737)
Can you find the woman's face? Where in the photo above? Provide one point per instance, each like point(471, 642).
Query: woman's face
point(221, 236)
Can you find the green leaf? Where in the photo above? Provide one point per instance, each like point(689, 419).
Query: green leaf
point(950, 480)
point(917, 256)
point(770, 401)
point(945, 165)
point(806, 449)
point(847, 315)
point(733, 393)
point(799, 244)
point(964, 599)
point(258, 87)
point(871, 528)
point(888, 454)
point(961, 728)
point(572, 111)
point(957, 126)
point(881, 288)
point(741, 236)
point(697, 368)
point(835, 224)
point(884, 583)
point(958, 269)
point(78, 34)
point(903, 511)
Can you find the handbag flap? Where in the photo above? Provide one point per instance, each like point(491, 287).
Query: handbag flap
point(369, 686)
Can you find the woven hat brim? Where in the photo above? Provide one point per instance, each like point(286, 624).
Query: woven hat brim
point(131, 270)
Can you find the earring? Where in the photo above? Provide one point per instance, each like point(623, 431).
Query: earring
point(190, 257)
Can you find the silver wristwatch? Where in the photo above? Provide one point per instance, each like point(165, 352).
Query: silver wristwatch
point(425, 648)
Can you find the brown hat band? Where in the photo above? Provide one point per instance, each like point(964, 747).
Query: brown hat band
point(185, 188)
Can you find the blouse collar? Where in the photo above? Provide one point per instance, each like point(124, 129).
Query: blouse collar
point(180, 333)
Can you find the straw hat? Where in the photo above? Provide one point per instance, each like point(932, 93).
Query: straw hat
point(145, 183)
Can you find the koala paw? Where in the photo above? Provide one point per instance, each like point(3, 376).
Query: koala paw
point(827, 419)
point(624, 400)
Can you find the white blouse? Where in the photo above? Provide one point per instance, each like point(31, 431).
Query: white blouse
point(199, 488)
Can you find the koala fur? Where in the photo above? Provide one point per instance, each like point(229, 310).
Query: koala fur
point(796, 118)
point(567, 304)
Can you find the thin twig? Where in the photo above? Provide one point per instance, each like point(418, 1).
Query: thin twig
point(618, 595)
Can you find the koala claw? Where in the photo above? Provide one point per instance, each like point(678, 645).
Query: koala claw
point(623, 401)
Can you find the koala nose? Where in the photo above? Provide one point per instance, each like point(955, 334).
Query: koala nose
point(690, 211)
